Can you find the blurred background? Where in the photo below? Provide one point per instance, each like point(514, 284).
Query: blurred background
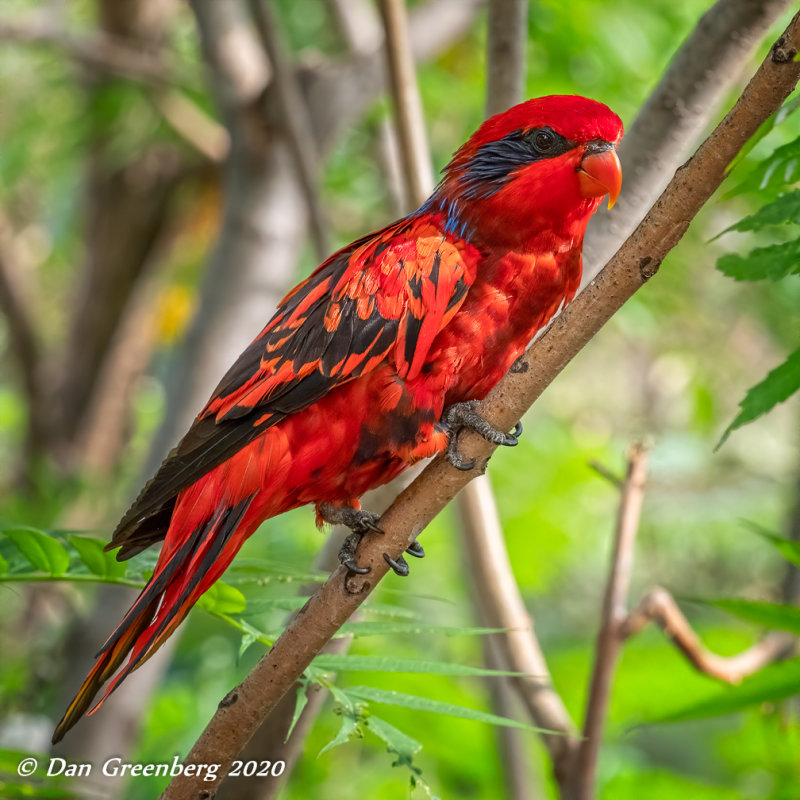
point(151, 216)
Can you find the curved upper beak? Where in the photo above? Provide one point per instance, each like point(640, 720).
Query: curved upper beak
point(600, 172)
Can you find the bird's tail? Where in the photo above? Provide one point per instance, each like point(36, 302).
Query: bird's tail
point(182, 574)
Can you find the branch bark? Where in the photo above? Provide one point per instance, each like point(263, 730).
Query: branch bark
point(344, 90)
point(295, 118)
point(610, 637)
point(507, 38)
point(637, 260)
point(501, 605)
point(660, 607)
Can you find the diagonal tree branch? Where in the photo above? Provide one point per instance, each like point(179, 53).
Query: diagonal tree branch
point(637, 260)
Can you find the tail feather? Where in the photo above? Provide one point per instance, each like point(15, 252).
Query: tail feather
point(176, 585)
point(105, 667)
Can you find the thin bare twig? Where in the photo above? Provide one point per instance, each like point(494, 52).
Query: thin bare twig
point(660, 607)
point(327, 610)
point(414, 151)
point(295, 119)
point(614, 614)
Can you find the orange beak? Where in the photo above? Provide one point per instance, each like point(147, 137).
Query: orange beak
point(600, 172)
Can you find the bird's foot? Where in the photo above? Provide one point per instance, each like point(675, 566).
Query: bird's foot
point(358, 520)
point(361, 522)
point(465, 415)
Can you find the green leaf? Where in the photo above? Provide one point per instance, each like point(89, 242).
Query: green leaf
point(766, 127)
point(222, 599)
point(250, 636)
point(261, 571)
point(299, 704)
point(387, 610)
point(397, 742)
point(3, 566)
point(773, 262)
point(417, 703)
point(91, 553)
point(785, 209)
point(781, 168)
point(393, 628)
point(43, 551)
point(349, 730)
point(789, 549)
point(263, 604)
point(773, 683)
point(778, 386)
point(346, 662)
point(770, 615)
point(352, 713)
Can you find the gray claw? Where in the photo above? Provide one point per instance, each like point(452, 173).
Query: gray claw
point(400, 566)
point(415, 549)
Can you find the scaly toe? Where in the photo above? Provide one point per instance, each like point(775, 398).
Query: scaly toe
point(347, 554)
point(453, 455)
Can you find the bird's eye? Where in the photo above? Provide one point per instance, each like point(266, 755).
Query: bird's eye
point(544, 141)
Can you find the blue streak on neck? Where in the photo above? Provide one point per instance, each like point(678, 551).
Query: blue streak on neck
point(454, 222)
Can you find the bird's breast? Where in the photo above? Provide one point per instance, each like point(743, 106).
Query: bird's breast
point(513, 297)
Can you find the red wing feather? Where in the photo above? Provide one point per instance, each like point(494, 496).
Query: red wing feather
point(385, 297)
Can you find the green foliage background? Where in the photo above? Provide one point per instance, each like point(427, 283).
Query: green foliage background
point(671, 366)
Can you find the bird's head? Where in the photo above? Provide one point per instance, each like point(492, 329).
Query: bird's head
point(535, 172)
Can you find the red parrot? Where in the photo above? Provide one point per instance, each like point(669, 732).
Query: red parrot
point(373, 362)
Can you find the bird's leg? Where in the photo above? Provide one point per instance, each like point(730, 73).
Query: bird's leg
point(358, 520)
point(465, 415)
point(361, 522)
